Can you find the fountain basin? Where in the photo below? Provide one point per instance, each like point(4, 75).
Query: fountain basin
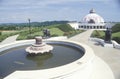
point(57, 72)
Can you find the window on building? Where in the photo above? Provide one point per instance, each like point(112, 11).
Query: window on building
point(81, 26)
point(87, 27)
point(100, 27)
point(97, 27)
point(90, 27)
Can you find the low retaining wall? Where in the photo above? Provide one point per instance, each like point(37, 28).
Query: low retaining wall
point(101, 41)
point(116, 45)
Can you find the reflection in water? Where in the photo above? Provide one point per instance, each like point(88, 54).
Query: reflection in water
point(18, 62)
point(39, 59)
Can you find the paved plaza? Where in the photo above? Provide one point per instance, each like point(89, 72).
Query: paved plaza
point(110, 55)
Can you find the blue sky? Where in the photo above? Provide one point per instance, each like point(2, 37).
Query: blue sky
point(17, 11)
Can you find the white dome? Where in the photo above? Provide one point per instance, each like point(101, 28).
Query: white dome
point(92, 17)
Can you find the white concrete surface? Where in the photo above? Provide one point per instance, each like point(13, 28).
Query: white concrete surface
point(101, 42)
point(97, 69)
point(110, 55)
point(116, 45)
point(74, 25)
point(58, 38)
point(9, 40)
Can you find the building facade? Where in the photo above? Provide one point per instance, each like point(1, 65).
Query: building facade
point(90, 21)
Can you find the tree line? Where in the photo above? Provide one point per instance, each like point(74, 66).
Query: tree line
point(19, 26)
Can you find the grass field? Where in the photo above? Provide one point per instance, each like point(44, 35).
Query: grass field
point(56, 31)
point(8, 32)
point(5, 33)
point(101, 34)
point(31, 33)
point(116, 34)
point(98, 34)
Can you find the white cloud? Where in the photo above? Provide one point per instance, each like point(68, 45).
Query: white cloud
point(39, 10)
point(42, 2)
point(35, 4)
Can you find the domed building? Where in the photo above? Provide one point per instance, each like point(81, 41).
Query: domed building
point(90, 21)
point(93, 18)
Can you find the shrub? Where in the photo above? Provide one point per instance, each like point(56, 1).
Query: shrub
point(30, 37)
point(0, 33)
point(66, 33)
point(54, 35)
point(116, 28)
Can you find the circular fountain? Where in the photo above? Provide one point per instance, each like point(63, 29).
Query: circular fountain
point(19, 55)
point(39, 47)
point(68, 60)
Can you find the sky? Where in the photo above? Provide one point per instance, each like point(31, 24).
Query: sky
point(18, 11)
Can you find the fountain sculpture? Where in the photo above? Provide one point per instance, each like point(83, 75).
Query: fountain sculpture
point(39, 47)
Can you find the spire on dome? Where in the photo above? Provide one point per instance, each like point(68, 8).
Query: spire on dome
point(92, 11)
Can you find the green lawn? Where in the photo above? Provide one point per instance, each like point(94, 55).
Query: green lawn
point(116, 34)
point(116, 37)
point(4, 34)
point(56, 31)
point(38, 32)
point(8, 32)
point(98, 34)
point(101, 34)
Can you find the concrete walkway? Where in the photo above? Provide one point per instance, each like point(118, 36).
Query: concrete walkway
point(9, 39)
point(82, 37)
point(110, 55)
